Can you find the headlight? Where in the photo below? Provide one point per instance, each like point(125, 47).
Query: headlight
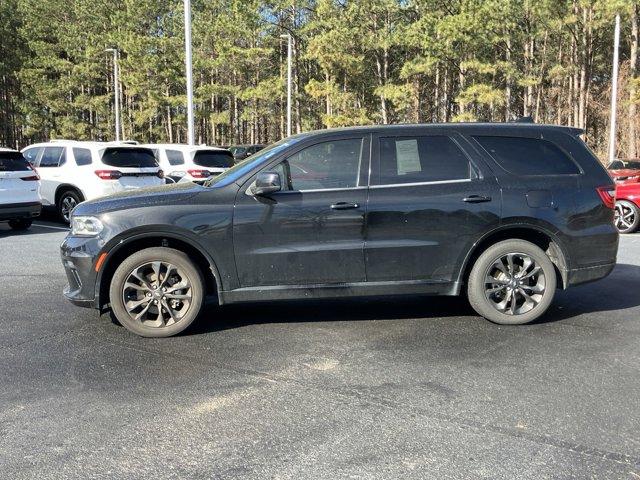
point(86, 226)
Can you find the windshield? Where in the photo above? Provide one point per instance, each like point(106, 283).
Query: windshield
point(250, 163)
point(13, 162)
point(213, 159)
point(129, 157)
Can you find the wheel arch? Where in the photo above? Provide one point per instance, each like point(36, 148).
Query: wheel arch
point(66, 187)
point(536, 234)
point(126, 246)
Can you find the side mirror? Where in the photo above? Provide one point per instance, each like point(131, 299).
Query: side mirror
point(266, 183)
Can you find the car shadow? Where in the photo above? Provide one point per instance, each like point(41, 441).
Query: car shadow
point(609, 294)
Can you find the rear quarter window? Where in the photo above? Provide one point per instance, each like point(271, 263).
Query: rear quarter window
point(82, 156)
point(528, 156)
point(13, 162)
point(129, 157)
point(213, 159)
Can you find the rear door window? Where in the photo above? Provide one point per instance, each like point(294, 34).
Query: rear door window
point(129, 157)
point(422, 159)
point(82, 156)
point(31, 154)
point(175, 157)
point(528, 156)
point(13, 162)
point(52, 157)
point(213, 159)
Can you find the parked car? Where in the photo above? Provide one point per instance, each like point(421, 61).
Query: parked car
point(623, 170)
point(191, 163)
point(240, 152)
point(627, 214)
point(19, 190)
point(72, 172)
point(502, 212)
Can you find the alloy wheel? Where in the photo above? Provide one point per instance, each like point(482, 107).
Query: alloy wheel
point(157, 294)
point(515, 284)
point(66, 207)
point(624, 217)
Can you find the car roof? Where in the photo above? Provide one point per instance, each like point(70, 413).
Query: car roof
point(484, 128)
point(84, 144)
point(4, 149)
point(184, 147)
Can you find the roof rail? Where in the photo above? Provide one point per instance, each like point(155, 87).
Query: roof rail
point(60, 140)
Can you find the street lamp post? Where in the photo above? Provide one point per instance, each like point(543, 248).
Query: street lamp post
point(289, 62)
point(189, 68)
point(116, 89)
point(614, 90)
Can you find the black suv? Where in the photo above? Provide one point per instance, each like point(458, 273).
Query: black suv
point(505, 213)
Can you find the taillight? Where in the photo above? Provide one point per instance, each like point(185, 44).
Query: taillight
point(160, 174)
point(32, 178)
point(199, 173)
point(607, 195)
point(108, 174)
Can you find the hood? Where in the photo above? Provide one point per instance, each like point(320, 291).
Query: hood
point(142, 197)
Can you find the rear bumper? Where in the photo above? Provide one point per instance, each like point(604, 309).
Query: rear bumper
point(579, 276)
point(19, 211)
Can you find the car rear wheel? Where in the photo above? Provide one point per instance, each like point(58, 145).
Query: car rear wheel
point(66, 203)
point(512, 283)
point(20, 225)
point(157, 292)
point(627, 216)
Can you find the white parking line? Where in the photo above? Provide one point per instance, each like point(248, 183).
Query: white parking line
point(49, 226)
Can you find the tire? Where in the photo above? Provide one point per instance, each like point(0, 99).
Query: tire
point(177, 313)
point(66, 203)
point(627, 216)
point(495, 300)
point(20, 225)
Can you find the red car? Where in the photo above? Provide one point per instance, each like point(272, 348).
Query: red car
point(623, 170)
point(627, 213)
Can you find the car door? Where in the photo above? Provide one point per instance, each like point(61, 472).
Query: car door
point(429, 201)
point(49, 170)
point(311, 232)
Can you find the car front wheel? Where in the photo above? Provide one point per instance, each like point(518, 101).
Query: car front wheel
point(627, 216)
point(512, 283)
point(157, 292)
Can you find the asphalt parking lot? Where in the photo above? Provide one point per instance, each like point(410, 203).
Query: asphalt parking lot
point(401, 388)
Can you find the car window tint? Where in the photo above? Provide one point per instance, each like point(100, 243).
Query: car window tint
point(31, 154)
point(82, 156)
point(528, 156)
point(213, 159)
point(13, 162)
point(616, 165)
point(52, 157)
point(129, 157)
point(175, 157)
point(422, 159)
point(333, 164)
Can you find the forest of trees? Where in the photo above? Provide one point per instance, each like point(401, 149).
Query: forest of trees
point(355, 62)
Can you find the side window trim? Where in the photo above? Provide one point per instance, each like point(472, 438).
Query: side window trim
point(375, 164)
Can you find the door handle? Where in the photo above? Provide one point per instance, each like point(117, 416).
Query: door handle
point(344, 206)
point(476, 199)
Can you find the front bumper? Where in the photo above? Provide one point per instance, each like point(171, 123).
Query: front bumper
point(79, 255)
point(20, 211)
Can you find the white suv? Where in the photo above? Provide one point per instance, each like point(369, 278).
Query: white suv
point(19, 190)
point(72, 172)
point(195, 163)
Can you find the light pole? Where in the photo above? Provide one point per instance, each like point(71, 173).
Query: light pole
point(189, 68)
point(116, 89)
point(614, 90)
point(289, 60)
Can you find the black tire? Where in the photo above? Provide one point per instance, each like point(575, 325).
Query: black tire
point(20, 225)
point(67, 201)
point(186, 272)
point(627, 216)
point(487, 297)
